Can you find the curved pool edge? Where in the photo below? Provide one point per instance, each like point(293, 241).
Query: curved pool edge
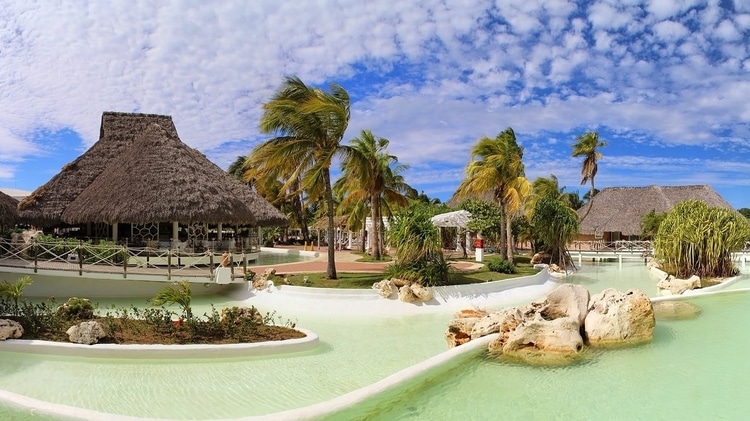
point(348, 400)
point(136, 351)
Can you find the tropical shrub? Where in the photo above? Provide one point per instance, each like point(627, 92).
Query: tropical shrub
point(695, 239)
point(555, 226)
point(179, 294)
point(14, 291)
point(76, 308)
point(496, 264)
point(418, 255)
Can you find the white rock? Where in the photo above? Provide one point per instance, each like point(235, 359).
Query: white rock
point(545, 342)
point(10, 329)
point(87, 333)
point(617, 318)
point(677, 286)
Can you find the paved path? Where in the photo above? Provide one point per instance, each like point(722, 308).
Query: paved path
point(346, 261)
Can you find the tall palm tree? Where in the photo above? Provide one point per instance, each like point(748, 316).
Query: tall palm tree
point(586, 146)
point(371, 174)
point(308, 124)
point(496, 167)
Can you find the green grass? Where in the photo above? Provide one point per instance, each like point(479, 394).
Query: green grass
point(352, 280)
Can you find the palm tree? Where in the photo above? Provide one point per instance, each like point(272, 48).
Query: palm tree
point(586, 146)
point(180, 294)
point(308, 124)
point(497, 167)
point(15, 291)
point(371, 174)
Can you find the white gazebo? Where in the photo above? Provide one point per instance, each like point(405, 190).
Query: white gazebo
point(457, 219)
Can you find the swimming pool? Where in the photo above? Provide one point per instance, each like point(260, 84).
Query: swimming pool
point(688, 364)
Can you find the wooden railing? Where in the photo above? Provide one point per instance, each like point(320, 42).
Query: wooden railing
point(86, 257)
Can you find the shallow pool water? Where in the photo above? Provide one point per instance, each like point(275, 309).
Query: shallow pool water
point(689, 364)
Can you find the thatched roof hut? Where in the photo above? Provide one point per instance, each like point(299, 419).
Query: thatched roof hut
point(118, 132)
point(8, 210)
point(621, 209)
point(159, 178)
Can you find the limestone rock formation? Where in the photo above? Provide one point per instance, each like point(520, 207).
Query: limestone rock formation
point(567, 300)
point(545, 342)
point(87, 333)
point(459, 330)
point(386, 288)
point(676, 286)
point(617, 318)
point(414, 293)
point(675, 310)
point(10, 329)
point(555, 330)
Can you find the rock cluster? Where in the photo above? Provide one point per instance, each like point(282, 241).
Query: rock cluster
point(668, 284)
point(554, 330)
point(10, 329)
point(408, 292)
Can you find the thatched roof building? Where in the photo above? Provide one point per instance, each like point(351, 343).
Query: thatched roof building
point(118, 132)
point(141, 172)
point(8, 210)
point(621, 209)
point(159, 178)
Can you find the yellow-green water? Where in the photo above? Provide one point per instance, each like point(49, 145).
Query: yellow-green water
point(690, 371)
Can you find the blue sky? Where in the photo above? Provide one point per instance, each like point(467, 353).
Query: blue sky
point(665, 83)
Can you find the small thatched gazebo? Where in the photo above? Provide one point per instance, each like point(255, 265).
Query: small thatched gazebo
point(8, 210)
point(118, 132)
point(618, 211)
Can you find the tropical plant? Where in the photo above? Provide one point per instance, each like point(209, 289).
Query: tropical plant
point(418, 254)
point(587, 146)
point(308, 124)
point(555, 226)
point(370, 173)
point(650, 224)
point(695, 239)
point(496, 167)
point(179, 294)
point(500, 265)
point(14, 291)
point(486, 218)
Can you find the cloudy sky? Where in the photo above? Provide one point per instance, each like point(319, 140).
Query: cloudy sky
point(665, 82)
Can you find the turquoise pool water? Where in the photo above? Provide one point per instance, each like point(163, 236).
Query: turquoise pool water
point(687, 372)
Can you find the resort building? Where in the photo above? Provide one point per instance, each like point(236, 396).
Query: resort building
point(141, 185)
point(617, 212)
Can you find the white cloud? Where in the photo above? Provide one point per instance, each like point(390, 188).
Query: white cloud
point(431, 75)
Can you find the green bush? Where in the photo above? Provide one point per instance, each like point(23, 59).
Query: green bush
point(498, 265)
point(76, 308)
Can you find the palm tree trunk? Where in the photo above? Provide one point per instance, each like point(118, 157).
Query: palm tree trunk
point(509, 237)
point(591, 201)
point(503, 239)
point(375, 231)
point(331, 268)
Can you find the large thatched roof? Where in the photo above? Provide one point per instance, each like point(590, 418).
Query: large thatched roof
point(620, 209)
point(8, 210)
point(159, 178)
point(118, 131)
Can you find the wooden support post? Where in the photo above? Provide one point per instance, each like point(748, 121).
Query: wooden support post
point(169, 265)
point(125, 257)
point(80, 258)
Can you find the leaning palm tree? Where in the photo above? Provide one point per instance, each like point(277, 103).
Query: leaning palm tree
point(496, 167)
point(308, 124)
point(370, 173)
point(586, 146)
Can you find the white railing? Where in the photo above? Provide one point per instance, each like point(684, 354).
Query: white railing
point(632, 246)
